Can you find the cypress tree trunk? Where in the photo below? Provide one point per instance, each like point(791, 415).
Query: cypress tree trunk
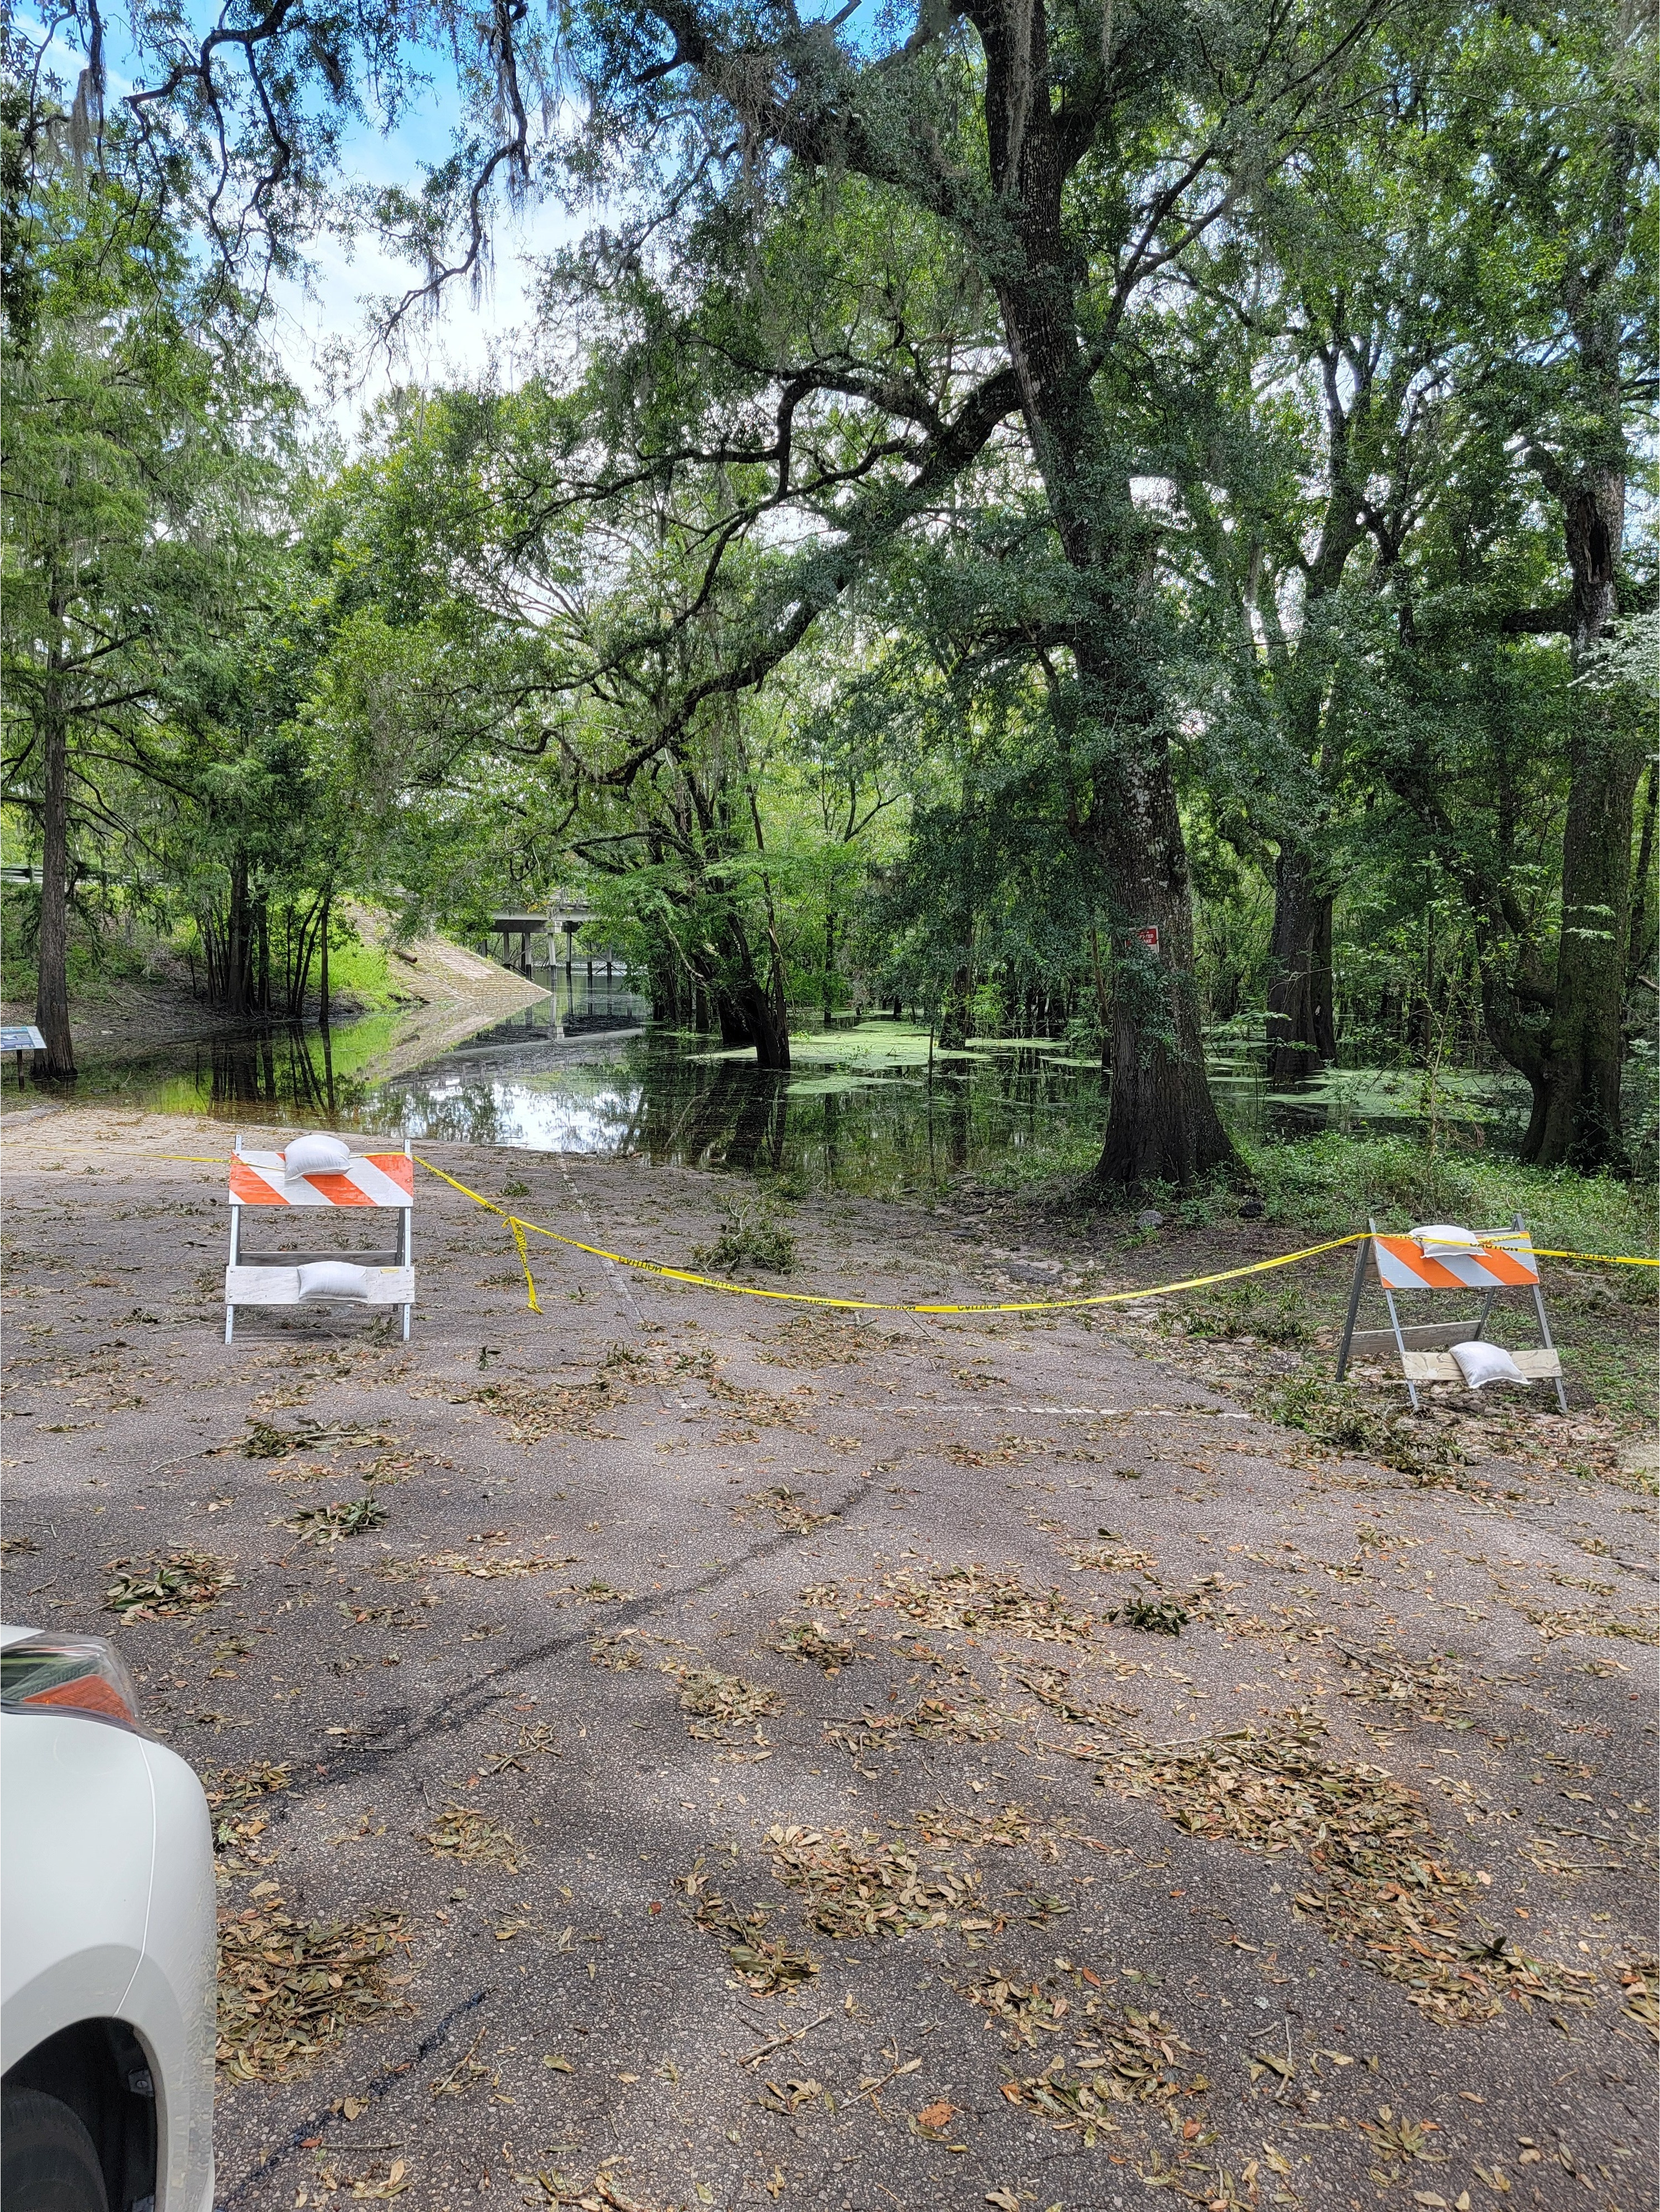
point(732, 1015)
point(261, 951)
point(1585, 1049)
point(954, 1012)
point(237, 963)
point(769, 1025)
point(52, 995)
point(1302, 1035)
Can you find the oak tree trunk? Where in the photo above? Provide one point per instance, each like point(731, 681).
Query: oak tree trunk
point(1162, 1124)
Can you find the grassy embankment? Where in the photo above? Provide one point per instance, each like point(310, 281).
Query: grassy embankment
point(116, 962)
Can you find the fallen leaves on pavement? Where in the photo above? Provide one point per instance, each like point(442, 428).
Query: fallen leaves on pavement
point(860, 1885)
point(811, 1640)
point(788, 1508)
point(231, 1796)
point(976, 1597)
point(605, 2193)
point(532, 1413)
point(328, 1524)
point(1053, 1686)
point(264, 1441)
point(461, 1832)
point(717, 1702)
point(1387, 1891)
point(765, 1963)
point(289, 1989)
point(489, 1569)
point(168, 1588)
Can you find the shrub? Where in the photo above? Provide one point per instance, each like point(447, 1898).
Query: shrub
point(751, 1235)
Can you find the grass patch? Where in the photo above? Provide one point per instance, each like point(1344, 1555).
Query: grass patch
point(1252, 1310)
point(1342, 1421)
point(1330, 1183)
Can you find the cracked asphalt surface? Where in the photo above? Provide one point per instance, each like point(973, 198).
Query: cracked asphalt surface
point(572, 1653)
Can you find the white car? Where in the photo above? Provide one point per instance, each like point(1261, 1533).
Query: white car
point(107, 1944)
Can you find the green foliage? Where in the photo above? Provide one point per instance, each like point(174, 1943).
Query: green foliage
point(1329, 1185)
point(751, 1235)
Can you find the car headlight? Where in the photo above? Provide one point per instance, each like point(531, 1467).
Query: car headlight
point(69, 1674)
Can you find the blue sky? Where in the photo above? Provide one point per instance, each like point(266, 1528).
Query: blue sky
point(462, 337)
point(325, 313)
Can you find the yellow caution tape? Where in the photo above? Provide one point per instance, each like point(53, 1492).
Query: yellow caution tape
point(518, 1225)
point(517, 1228)
point(1602, 1259)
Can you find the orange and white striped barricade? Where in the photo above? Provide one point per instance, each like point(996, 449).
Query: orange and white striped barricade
point(1499, 1260)
point(383, 1278)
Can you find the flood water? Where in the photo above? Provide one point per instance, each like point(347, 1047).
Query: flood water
point(870, 1107)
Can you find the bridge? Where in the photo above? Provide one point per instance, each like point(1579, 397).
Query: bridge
point(566, 912)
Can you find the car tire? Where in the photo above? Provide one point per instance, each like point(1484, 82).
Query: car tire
point(48, 2162)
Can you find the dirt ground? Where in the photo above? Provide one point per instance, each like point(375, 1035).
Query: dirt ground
point(718, 1752)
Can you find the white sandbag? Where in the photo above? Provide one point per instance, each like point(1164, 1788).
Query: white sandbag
point(334, 1278)
point(315, 1155)
point(1481, 1364)
point(1438, 1236)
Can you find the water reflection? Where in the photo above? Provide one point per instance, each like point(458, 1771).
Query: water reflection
point(869, 1108)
